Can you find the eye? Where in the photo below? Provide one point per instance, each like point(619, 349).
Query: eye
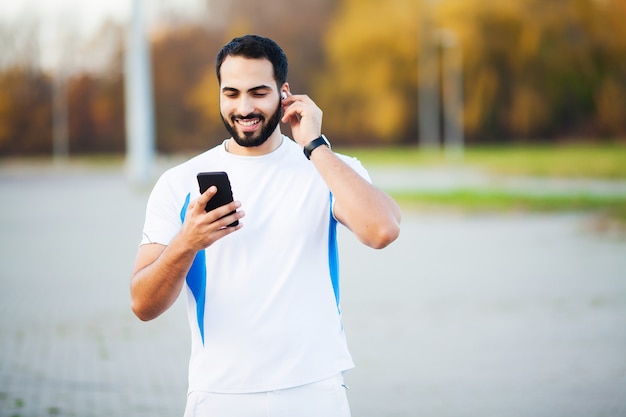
point(230, 93)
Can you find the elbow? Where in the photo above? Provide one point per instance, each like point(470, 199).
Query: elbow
point(387, 229)
point(141, 311)
point(384, 236)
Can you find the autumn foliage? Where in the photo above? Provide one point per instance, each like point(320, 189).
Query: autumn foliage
point(533, 70)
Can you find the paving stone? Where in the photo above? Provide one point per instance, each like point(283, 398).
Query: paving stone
point(465, 315)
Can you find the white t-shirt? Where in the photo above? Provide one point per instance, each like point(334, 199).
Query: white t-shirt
point(263, 303)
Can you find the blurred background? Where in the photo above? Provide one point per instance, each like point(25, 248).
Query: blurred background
point(499, 126)
point(531, 71)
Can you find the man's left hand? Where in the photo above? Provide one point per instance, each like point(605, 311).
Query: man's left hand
point(304, 117)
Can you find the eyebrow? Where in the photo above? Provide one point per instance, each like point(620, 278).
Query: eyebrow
point(251, 90)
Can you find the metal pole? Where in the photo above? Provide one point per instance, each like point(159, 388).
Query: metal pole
point(428, 82)
point(139, 100)
point(452, 94)
point(60, 136)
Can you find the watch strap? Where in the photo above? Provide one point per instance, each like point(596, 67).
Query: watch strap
point(315, 144)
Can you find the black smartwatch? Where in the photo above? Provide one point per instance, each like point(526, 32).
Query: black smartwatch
point(314, 144)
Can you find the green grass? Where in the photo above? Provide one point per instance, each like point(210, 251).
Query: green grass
point(501, 200)
point(571, 161)
point(612, 207)
point(605, 162)
point(565, 161)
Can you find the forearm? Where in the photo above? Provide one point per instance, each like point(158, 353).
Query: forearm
point(156, 286)
point(370, 213)
point(160, 270)
point(367, 211)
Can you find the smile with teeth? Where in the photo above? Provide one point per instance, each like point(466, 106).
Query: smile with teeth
point(248, 122)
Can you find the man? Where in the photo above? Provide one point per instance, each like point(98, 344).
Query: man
point(263, 296)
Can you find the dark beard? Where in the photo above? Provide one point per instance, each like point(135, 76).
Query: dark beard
point(249, 140)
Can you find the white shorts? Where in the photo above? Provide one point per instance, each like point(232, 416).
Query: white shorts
point(326, 398)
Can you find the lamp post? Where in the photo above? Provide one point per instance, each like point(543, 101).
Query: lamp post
point(60, 135)
point(139, 100)
point(452, 95)
point(428, 80)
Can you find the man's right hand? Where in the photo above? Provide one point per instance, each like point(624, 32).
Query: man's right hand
point(160, 271)
point(201, 229)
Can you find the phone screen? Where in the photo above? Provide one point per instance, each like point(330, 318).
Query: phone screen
point(224, 192)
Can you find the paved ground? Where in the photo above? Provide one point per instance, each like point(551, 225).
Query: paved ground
point(500, 315)
point(450, 178)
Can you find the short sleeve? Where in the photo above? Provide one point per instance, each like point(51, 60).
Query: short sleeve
point(356, 165)
point(162, 221)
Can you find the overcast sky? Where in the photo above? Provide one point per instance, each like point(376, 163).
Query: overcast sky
point(83, 14)
point(84, 17)
point(87, 14)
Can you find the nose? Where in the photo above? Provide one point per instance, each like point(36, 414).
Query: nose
point(245, 106)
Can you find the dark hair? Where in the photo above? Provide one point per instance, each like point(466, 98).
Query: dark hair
point(255, 47)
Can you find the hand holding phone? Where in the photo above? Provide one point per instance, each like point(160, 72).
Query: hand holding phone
point(224, 193)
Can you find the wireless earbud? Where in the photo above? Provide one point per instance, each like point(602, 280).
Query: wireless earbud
point(283, 95)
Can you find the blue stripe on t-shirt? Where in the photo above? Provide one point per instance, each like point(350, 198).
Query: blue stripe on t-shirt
point(196, 277)
point(333, 253)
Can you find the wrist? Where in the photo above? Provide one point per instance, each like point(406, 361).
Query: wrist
point(314, 144)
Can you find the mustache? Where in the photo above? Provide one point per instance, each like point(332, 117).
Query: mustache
point(247, 117)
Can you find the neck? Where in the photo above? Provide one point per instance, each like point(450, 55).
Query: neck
point(271, 144)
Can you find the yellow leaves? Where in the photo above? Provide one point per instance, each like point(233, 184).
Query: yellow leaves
point(383, 112)
point(611, 107)
point(528, 42)
point(372, 58)
point(532, 65)
point(5, 114)
point(366, 105)
point(204, 97)
point(364, 28)
point(387, 116)
point(101, 111)
point(25, 110)
point(480, 98)
point(527, 111)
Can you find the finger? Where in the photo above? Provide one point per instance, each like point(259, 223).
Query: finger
point(296, 97)
point(229, 219)
point(210, 191)
point(205, 197)
point(293, 107)
point(224, 231)
point(224, 210)
point(293, 113)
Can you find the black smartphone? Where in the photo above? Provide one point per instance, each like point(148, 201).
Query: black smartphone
point(224, 192)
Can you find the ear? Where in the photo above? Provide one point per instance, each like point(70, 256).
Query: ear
point(285, 91)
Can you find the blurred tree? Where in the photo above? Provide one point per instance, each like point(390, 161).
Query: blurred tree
point(296, 25)
point(610, 94)
point(19, 43)
point(533, 70)
point(369, 89)
point(96, 114)
point(25, 112)
point(541, 68)
point(25, 91)
point(181, 55)
point(204, 97)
